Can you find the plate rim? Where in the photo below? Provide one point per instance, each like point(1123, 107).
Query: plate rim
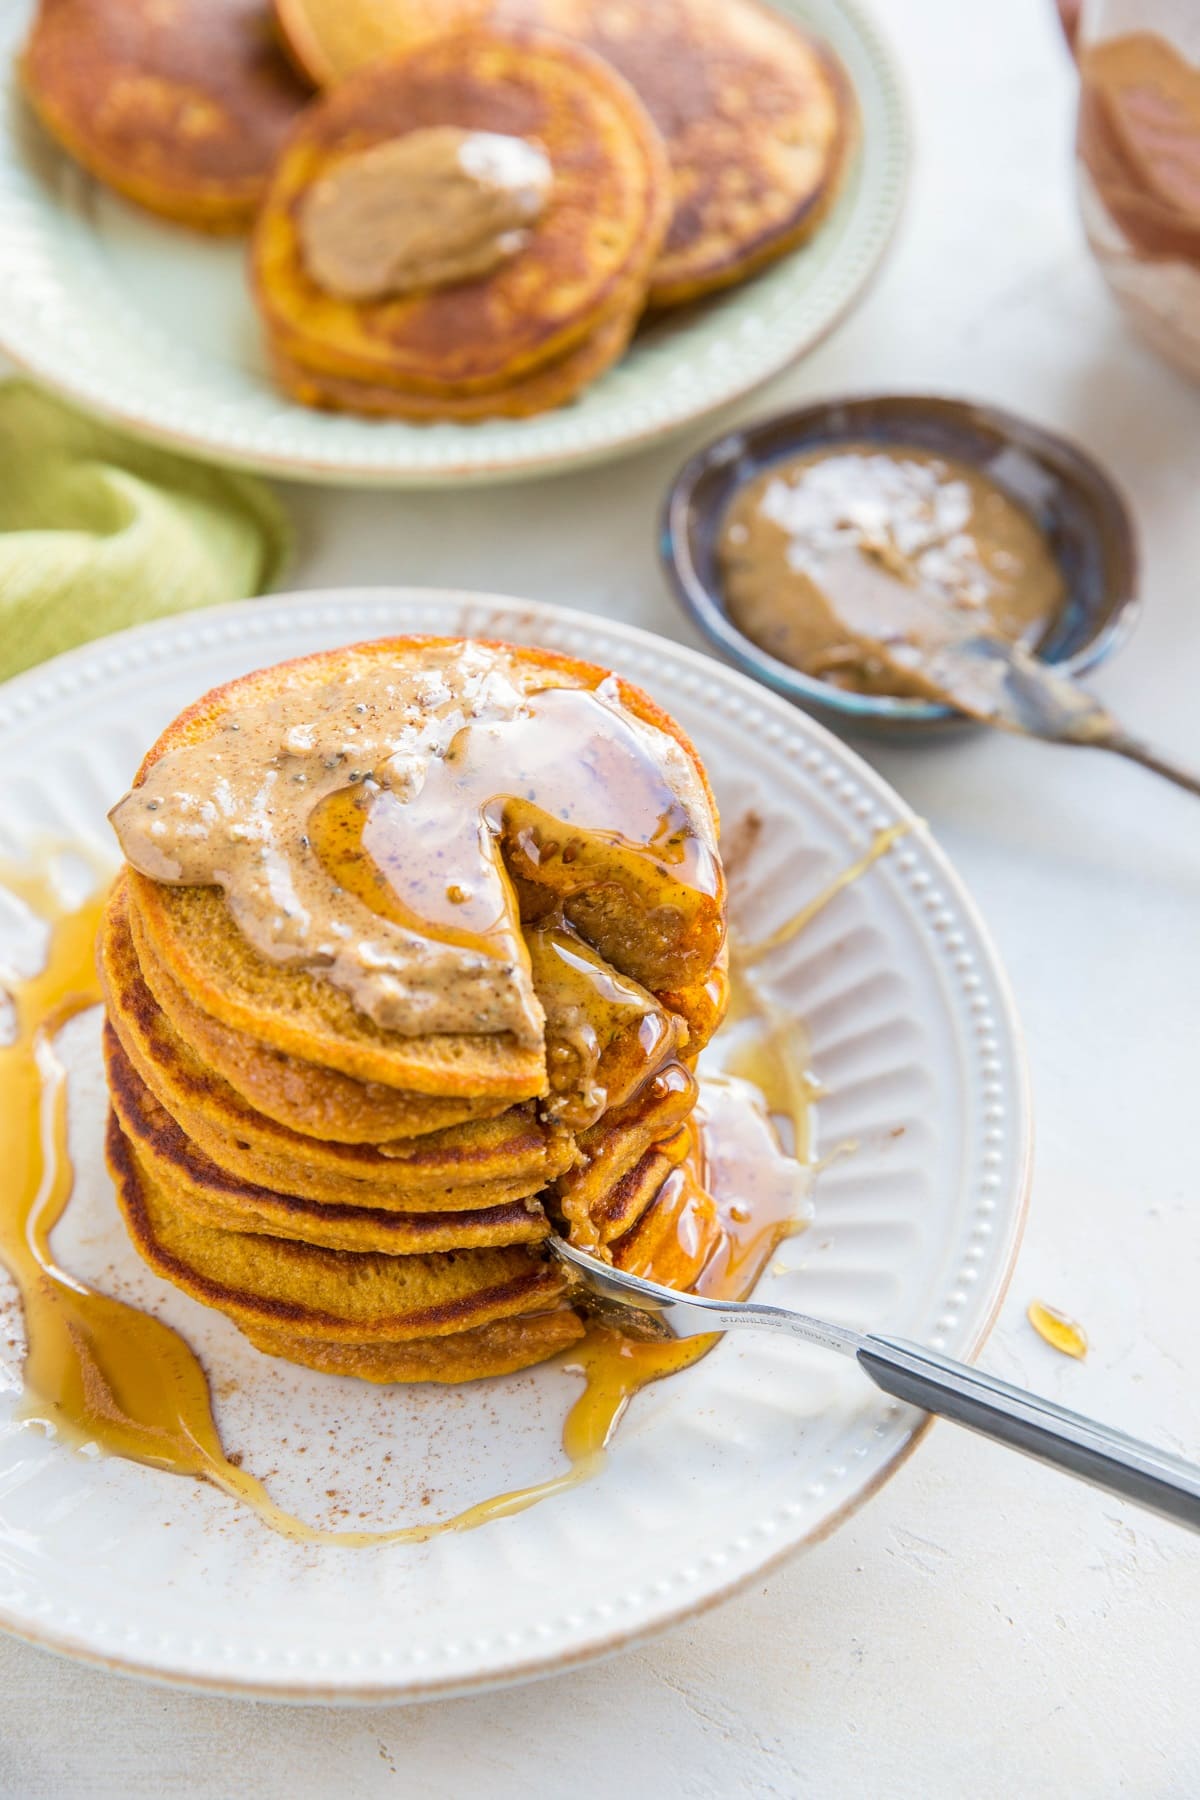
point(18, 698)
point(864, 255)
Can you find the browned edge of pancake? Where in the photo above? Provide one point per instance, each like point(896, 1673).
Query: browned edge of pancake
point(533, 1291)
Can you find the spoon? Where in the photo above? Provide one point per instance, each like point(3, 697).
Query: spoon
point(951, 655)
point(1066, 1440)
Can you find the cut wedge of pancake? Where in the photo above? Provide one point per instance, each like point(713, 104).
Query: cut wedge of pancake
point(335, 1295)
point(614, 1146)
point(757, 117)
point(548, 386)
point(181, 107)
point(674, 1237)
point(587, 255)
point(634, 1192)
point(605, 1034)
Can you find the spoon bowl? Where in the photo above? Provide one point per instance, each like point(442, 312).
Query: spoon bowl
point(1085, 520)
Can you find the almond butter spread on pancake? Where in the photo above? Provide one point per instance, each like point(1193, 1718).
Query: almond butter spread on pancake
point(436, 206)
point(366, 829)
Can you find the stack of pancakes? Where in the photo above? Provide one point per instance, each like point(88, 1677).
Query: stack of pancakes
point(370, 1202)
point(690, 144)
point(536, 330)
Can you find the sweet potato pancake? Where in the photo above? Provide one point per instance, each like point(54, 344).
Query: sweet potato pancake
point(181, 105)
point(581, 266)
point(330, 39)
point(757, 118)
point(410, 872)
point(548, 386)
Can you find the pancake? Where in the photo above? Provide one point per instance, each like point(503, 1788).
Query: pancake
point(416, 1257)
point(757, 118)
point(335, 1295)
point(616, 1144)
point(633, 1193)
point(674, 1237)
point(605, 1034)
point(330, 39)
point(322, 1102)
point(548, 386)
point(642, 919)
point(463, 1166)
point(586, 257)
point(213, 1196)
point(180, 105)
point(191, 932)
point(497, 1349)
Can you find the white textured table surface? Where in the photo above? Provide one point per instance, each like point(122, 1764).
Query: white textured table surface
point(983, 1627)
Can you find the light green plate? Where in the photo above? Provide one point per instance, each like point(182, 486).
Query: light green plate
point(152, 326)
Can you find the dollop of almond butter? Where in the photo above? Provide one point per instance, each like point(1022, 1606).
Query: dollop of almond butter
point(436, 206)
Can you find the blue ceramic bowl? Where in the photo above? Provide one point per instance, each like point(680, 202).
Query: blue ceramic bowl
point(1085, 520)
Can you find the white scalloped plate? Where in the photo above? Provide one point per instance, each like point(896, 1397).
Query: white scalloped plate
point(153, 327)
point(759, 1449)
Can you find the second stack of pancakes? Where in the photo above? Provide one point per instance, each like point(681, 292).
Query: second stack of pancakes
point(392, 1232)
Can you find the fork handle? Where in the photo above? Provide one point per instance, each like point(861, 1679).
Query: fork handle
point(1108, 1459)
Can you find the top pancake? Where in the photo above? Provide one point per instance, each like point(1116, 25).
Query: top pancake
point(756, 117)
point(191, 934)
point(181, 105)
point(587, 256)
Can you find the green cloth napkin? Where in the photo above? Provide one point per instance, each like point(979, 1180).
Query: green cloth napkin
point(99, 531)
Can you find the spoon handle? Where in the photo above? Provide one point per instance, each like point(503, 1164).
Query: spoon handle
point(1083, 1447)
point(1121, 744)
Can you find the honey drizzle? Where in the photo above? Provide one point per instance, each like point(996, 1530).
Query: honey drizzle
point(1057, 1329)
point(879, 846)
point(99, 1372)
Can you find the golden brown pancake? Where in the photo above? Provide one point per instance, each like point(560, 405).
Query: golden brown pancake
point(548, 386)
point(616, 1144)
point(757, 118)
point(335, 1295)
point(587, 255)
point(214, 1196)
point(476, 1164)
point(330, 39)
point(191, 932)
point(322, 1102)
point(181, 105)
point(497, 1349)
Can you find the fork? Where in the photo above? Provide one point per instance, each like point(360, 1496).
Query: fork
point(1083, 1447)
